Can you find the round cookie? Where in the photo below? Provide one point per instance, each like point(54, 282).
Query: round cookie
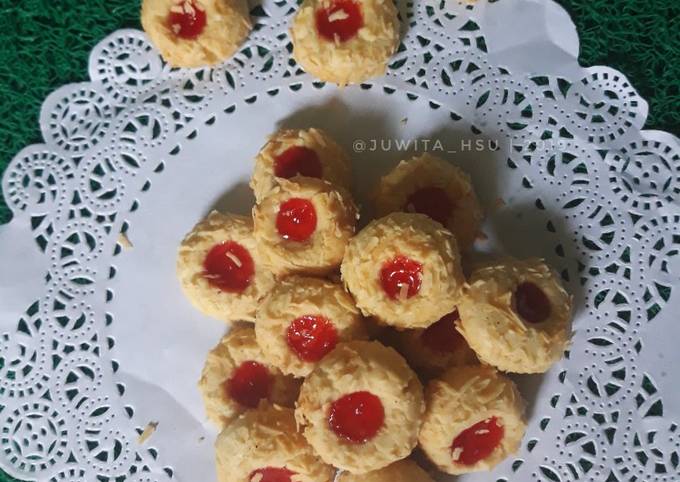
point(361, 407)
point(219, 269)
point(435, 348)
point(345, 41)
point(236, 378)
point(474, 420)
point(292, 152)
point(196, 33)
point(404, 270)
point(301, 321)
point(402, 471)
point(428, 185)
point(264, 445)
point(303, 226)
point(516, 315)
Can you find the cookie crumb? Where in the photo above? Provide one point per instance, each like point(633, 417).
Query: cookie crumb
point(124, 241)
point(148, 431)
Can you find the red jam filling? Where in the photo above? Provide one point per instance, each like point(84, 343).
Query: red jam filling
point(431, 201)
point(296, 220)
point(271, 474)
point(531, 303)
point(229, 267)
point(477, 442)
point(442, 335)
point(356, 417)
point(342, 19)
point(401, 277)
point(250, 383)
point(189, 22)
point(311, 337)
point(297, 161)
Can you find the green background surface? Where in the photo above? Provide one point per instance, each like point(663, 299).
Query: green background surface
point(45, 44)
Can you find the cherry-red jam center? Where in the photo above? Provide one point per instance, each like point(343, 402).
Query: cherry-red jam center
point(341, 20)
point(296, 220)
point(250, 383)
point(297, 161)
point(229, 267)
point(400, 277)
point(186, 19)
point(356, 417)
point(431, 201)
point(531, 303)
point(271, 474)
point(311, 337)
point(477, 442)
point(442, 335)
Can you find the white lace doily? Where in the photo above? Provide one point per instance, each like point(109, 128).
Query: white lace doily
point(97, 340)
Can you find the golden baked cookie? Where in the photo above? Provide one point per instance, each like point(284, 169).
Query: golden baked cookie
point(301, 321)
point(264, 445)
point(435, 348)
point(289, 153)
point(404, 270)
point(516, 315)
point(236, 378)
point(474, 420)
point(303, 226)
point(219, 269)
point(345, 41)
point(361, 407)
point(402, 471)
point(196, 33)
point(428, 185)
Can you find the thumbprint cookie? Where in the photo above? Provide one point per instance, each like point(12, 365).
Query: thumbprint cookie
point(345, 41)
point(361, 407)
point(290, 153)
point(435, 348)
point(402, 471)
point(236, 378)
point(474, 420)
point(219, 269)
point(196, 33)
point(264, 445)
point(428, 185)
point(516, 315)
point(301, 321)
point(404, 270)
point(303, 226)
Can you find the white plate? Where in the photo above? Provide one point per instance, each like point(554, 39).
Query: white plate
point(97, 340)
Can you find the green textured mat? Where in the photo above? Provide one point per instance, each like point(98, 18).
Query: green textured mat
point(45, 44)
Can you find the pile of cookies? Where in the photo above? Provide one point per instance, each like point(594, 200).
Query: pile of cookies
point(340, 41)
point(347, 326)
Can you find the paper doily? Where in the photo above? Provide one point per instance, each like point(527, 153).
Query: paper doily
point(97, 341)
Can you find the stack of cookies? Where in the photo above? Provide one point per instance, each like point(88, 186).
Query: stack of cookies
point(347, 326)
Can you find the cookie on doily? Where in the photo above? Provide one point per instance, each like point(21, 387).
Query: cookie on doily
point(404, 270)
point(516, 315)
point(264, 445)
point(301, 321)
point(305, 152)
point(474, 420)
point(361, 407)
point(236, 378)
point(345, 41)
point(196, 33)
point(219, 269)
point(303, 226)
